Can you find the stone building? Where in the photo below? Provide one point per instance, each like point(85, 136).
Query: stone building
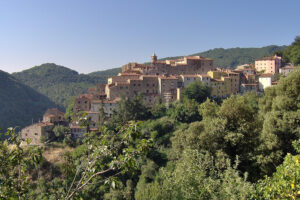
point(185, 65)
point(268, 65)
point(43, 129)
point(189, 78)
point(167, 88)
point(83, 102)
point(249, 87)
point(286, 69)
point(53, 115)
point(224, 83)
point(36, 132)
point(246, 69)
point(77, 131)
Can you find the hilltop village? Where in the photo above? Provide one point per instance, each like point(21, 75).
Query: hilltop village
point(160, 80)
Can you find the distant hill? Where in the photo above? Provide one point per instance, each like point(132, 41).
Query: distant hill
point(20, 104)
point(106, 73)
point(58, 83)
point(230, 58)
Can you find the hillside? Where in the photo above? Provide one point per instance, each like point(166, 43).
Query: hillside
point(232, 57)
point(20, 104)
point(57, 82)
point(106, 73)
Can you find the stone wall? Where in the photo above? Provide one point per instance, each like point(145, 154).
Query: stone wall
point(36, 131)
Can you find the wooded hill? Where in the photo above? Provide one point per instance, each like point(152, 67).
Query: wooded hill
point(57, 82)
point(20, 104)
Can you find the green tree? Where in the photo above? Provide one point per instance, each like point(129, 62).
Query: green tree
point(197, 91)
point(108, 156)
point(70, 110)
point(15, 163)
point(195, 176)
point(131, 109)
point(231, 129)
point(186, 112)
point(279, 111)
point(60, 132)
point(158, 109)
point(284, 183)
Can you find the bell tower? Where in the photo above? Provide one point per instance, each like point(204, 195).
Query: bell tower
point(153, 58)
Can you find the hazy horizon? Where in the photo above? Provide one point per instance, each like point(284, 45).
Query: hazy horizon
point(101, 35)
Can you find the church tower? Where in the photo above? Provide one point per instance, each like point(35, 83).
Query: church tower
point(153, 58)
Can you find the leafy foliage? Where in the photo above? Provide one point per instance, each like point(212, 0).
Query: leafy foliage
point(280, 112)
point(292, 53)
point(197, 91)
point(104, 160)
point(195, 177)
point(285, 182)
point(131, 109)
point(14, 164)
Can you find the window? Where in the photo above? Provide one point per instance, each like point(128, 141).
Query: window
point(153, 85)
point(35, 133)
point(133, 84)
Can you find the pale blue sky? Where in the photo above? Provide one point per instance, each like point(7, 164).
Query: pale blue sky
point(92, 35)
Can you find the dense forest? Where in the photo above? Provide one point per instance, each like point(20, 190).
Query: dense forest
point(20, 104)
point(245, 147)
